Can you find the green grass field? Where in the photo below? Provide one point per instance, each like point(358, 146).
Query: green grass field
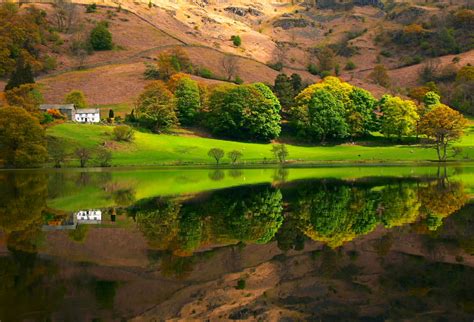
point(152, 149)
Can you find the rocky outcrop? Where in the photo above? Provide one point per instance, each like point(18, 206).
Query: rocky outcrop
point(347, 4)
point(291, 23)
point(240, 11)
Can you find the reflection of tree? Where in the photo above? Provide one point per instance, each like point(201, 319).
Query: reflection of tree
point(158, 219)
point(235, 173)
point(216, 175)
point(22, 200)
point(440, 199)
point(281, 174)
point(400, 205)
point(335, 213)
point(248, 214)
point(105, 293)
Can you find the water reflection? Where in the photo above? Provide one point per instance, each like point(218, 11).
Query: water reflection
point(101, 239)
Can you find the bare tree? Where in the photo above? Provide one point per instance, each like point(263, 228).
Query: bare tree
point(230, 66)
point(65, 15)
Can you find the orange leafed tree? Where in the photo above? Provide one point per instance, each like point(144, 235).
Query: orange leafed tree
point(444, 125)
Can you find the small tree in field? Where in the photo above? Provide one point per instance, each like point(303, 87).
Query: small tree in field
point(234, 156)
point(444, 125)
point(84, 155)
point(103, 157)
point(380, 76)
point(216, 154)
point(280, 152)
point(111, 114)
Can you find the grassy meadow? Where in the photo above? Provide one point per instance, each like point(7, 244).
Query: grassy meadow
point(151, 149)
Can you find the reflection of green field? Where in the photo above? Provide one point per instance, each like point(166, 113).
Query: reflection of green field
point(149, 183)
point(152, 149)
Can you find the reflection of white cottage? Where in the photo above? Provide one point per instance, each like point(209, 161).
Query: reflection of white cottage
point(89, 216)
point(87, 115)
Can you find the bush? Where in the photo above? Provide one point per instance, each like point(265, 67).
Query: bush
point(350, 65)
point(313, 69)
point(276, 66)
point(205, 73)
point(101, 38)
point(236, 40)
point(91, 8)
point(123, 133)
point(103, 157)
point(238, 80)
point(151, 72)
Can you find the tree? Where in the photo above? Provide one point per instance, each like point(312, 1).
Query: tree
point(84, 155)
point(123, 133)
point(360, 114)
point(174, 80)
point(296, 82)
point(21, 76)
point(57, 151)
point(101, 38)
point(319, 116)
point(111, 114)
point(399, 117)
point(65, 15)
point(22, 139)
point(188, 100)
point(230, 66)
point(155, 108)
point(380, 76)
point(444, 125)
point(234, 156)
point(280, 152)
point(249, 112)
point(103, 156)
point(216, 154)
point(431, 98)
point(26, 96)
point(77, 98)
point(284, 90)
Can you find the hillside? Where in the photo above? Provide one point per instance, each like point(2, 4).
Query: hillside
point(271, 32)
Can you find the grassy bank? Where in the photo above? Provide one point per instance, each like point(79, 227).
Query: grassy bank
point(152, 149)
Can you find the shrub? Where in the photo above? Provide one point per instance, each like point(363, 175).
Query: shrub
point(101, 38)
point(236, 40)
point(313, 69)
point(205, 73)
point(278, 66)
point(91, 8)
point(350, 65)
point(123, 133)
point(238, 80)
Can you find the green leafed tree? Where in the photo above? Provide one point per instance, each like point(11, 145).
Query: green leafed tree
point(188, 100)
point(155, 108)
point(399, 117)
point(249, 112)
point(318, 116)
point(21, 75)
point(217, 154)
point(77, 98)
point(22, 139)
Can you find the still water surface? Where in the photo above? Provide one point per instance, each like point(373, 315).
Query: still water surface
point(323, 244)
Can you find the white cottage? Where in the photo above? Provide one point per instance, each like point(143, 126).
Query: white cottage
point(89, 216)
point(87, 115)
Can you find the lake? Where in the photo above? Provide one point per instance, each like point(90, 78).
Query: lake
point(270, 244)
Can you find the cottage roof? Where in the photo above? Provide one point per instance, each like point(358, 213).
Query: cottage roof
point(87, 111)
point(57, 107)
